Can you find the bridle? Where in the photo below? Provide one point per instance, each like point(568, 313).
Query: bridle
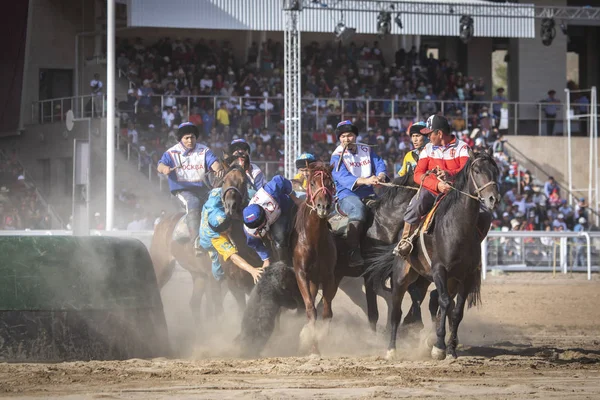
point(311, 196)
point(244, 196)
point(478, 189)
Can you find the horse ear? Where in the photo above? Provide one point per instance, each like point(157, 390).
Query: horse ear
point(471, 153)
point(490, 152)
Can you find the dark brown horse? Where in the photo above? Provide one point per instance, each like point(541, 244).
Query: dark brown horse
point(314, 251)
point(166, 252)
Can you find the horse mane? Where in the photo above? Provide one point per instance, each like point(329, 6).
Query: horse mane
point(301, 216)
point(320, 166)
point(390, 193)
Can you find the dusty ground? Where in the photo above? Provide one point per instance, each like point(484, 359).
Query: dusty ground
point(534, 337)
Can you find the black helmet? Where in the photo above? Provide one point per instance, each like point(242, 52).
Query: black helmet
point(185, 129)
point(345, 126)
point(239, 144)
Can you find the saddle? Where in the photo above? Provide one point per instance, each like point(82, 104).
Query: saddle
point(180, 232)
point(338, 221)
point(427, 224)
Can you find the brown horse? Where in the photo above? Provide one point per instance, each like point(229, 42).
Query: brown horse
point(166, 252)
point(314, 254)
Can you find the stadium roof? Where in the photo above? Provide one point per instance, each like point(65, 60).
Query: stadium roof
point(418, 18)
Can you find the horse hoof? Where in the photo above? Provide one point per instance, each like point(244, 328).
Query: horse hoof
point(391, 354)
point(438, 354)
point(430, 341)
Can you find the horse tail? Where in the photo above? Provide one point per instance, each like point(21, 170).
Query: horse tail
point(380, 265)
point(474, 297)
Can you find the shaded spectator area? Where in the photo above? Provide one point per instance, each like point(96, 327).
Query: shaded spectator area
point(21, 206)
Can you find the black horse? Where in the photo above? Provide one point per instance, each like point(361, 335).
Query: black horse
point(383, 229)
point(454, 250)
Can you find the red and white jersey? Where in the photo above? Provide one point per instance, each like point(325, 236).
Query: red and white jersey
point(450, 158)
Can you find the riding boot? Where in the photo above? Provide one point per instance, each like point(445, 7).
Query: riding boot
point(193, 223)
point(405, 246)
point(353, 240)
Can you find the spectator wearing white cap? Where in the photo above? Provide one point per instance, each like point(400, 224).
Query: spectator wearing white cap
point(559, 222)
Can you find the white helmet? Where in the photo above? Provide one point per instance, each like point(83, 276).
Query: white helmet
point(582, 220)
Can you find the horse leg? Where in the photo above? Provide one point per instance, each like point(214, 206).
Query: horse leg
point(438, 351)
point(330, 288)
point(372, 309)
point(164, 271)
point(417, 292)
point(198, 290)
point(402, 279)
point(457, 314)
point(311, 311)
point(239, 295)
point(434, 306)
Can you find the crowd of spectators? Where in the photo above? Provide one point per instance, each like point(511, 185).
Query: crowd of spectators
point(20, 206)
point(203, 82)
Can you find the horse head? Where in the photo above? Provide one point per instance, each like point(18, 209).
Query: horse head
point(320, 189)
point(234, 192)
point(483, 174)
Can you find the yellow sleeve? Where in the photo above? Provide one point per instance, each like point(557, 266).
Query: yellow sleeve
point(300, 178)
point(405, 163)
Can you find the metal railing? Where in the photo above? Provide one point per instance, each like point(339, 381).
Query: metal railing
point(55, 110)
point(513, 117)
point(541, 251)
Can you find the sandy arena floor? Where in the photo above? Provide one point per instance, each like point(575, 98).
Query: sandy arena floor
point(534, 337)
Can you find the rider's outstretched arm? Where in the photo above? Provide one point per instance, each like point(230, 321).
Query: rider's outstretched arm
point(244, 265)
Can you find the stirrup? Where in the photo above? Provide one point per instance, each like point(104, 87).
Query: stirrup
point(396, 250)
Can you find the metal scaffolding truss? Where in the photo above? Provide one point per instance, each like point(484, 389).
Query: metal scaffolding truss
point(474, 9)
point(292, 95)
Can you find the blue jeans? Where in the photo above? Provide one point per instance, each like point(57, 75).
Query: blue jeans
point(217, 270)
point(354, 208)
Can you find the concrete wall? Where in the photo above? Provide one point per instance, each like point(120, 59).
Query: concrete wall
point(550, 153)
point(479, 61)
point(51, 41)
point(536, 68)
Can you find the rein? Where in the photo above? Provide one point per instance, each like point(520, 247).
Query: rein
point(243, 195)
